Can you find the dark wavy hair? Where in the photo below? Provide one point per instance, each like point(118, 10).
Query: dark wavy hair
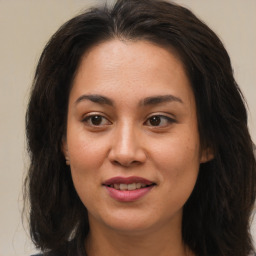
point(216, 217)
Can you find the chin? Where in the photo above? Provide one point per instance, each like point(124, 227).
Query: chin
point(137, 222)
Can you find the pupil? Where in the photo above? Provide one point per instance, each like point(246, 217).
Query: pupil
point(96, 120)
point(155, 120)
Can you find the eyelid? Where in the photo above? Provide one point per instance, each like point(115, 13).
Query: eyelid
point(169, 119)
point(87, 117)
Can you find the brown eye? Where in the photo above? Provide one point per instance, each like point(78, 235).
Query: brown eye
point(155, 120)
point(96, 120)
point(159, 121)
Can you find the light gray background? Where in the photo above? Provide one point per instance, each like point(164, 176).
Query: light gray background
point(25, 27)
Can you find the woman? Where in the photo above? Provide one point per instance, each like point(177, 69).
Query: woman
point(138, 138)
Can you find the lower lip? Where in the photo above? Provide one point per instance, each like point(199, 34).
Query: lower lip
point(128, 195)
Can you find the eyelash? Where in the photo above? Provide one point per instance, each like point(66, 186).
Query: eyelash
point(168, 120)
point(153, 118)
point(88, 120)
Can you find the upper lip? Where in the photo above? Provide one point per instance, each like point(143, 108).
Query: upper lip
point(127, 180)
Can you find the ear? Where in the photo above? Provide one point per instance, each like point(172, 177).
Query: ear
point(206, 155)
point(64, 148)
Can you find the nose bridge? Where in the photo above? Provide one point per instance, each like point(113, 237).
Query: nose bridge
point(126, 145)
point(125, 139)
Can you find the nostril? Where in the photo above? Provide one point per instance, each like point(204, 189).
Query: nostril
point(126, 157)
point(116, 162)
point(126, 164)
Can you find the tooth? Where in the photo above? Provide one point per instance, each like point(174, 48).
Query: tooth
point(123, 186)
point(143, 185)
point(116, 186)
point(138, 185)
point(132, 186)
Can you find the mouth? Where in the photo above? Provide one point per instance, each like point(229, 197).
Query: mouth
point(127, 189)
point(128, 183)
point(130, 187)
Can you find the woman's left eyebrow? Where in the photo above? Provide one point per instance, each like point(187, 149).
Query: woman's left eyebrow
point(154, 100)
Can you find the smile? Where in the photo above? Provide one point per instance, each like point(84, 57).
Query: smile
point(132, 186)
point(128, 189)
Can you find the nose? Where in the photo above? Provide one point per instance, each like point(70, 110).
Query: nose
point(127, 147)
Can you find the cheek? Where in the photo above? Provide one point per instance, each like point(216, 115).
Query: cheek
point(86, 152)
point(178, 150)
point(86, 157)
point(178, 160)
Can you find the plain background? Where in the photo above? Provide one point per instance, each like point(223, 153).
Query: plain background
point(25, 27)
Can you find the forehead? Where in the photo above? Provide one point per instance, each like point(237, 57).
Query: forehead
point(140, 66)
point(117, 53)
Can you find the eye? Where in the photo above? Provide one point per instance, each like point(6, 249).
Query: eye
point(96, 120)
point(159, 121)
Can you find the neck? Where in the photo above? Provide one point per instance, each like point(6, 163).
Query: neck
point(164, 241)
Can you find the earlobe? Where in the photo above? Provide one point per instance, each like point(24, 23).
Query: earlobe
point(64, 148)
point(207, 155)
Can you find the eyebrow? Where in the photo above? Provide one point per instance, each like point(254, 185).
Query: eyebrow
point(153, 100)
point(96, 99)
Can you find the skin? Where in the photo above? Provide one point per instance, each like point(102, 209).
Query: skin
point(126, 142)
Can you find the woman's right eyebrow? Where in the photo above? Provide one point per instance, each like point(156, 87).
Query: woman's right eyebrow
point(102, 100)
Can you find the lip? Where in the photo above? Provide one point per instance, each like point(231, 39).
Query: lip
point(127, 180)
point(127, 195)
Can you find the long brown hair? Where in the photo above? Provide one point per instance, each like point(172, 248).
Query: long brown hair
point(216, 217)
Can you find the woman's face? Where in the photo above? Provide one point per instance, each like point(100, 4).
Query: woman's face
point(132, 137)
